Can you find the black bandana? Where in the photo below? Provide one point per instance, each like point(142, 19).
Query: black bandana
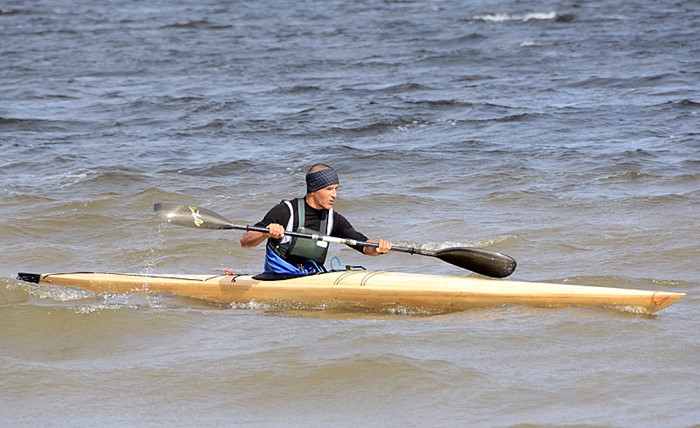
point(321, 179)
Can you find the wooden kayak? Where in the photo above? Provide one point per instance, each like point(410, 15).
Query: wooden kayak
point(366, 289)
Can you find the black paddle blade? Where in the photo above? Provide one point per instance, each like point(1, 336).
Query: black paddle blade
point(191, 216)
point(483, 262)
point(29, 277)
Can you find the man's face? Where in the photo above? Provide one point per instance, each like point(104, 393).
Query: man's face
point(324, 198)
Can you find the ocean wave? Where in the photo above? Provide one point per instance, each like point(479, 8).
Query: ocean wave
point(649, 81)
point(202, 24)
point(617, 281)
point(441, 103)
point(382, 126)
point(485, 243)
point(407, 123)
point(403, 87)
point(218, 169)
point(299, 89)
point(685, 103)
point(12, 124)
point(629, 175)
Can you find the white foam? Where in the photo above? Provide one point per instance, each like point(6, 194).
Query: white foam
point(525, 17)
point(60, 294)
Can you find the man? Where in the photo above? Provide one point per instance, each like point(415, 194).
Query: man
point(312, 214)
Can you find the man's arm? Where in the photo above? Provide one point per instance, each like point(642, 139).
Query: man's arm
point(252, 238)
point(273, 220)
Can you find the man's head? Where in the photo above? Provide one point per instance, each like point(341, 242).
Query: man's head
point(322, 183)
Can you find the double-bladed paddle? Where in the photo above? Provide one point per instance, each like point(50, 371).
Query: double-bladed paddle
point(483, 262)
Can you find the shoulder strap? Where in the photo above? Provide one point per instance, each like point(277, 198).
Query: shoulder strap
point(329, 229)
point(290, 223)
point(301, 211)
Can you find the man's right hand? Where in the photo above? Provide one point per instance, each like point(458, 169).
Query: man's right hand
point(252, 238)
point(276, 231)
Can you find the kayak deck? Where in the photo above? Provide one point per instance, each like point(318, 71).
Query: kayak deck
point(366, 289)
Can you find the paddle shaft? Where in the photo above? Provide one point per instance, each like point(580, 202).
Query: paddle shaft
point(335, 240)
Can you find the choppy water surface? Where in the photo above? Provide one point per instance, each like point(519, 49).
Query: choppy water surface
point(564, 135)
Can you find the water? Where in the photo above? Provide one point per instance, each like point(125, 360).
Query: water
point(563, 135)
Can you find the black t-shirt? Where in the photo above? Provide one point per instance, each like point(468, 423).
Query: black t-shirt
point(280, 214)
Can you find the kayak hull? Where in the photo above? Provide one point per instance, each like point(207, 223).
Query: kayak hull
point(366, 289)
